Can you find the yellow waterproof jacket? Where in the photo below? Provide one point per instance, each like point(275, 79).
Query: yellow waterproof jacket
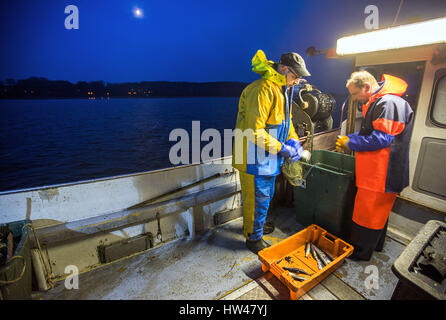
point(263, 121)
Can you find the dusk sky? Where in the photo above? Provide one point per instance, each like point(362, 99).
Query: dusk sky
point(184, 40)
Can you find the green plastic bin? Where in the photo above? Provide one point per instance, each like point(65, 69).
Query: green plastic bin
point(327, 195)
point(16, 274)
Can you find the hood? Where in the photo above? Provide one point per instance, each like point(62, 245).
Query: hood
point(264, 67)
point(392, 85)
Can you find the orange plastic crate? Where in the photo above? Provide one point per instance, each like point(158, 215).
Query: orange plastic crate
point(290, 252)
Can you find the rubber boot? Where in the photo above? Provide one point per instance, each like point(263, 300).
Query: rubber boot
point(256, 246)
point(268, 227)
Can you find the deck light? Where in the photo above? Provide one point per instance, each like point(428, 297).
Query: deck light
point(410, 35)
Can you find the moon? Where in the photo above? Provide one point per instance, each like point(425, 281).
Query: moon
point(138, 13)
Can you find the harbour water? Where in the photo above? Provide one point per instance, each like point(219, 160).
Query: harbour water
point(47, 142)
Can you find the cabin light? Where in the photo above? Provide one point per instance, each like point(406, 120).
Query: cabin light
point(411, 35)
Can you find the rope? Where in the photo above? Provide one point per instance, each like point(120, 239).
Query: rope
point(48, 276)
point(3, 282)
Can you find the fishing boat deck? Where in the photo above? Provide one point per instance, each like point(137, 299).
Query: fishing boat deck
point(216, 265)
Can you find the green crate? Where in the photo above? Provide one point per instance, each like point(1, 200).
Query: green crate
point(328, 195)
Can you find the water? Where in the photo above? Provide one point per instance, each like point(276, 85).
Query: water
point(45, 142)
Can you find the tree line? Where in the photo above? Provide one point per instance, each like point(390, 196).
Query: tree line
point(38, 88)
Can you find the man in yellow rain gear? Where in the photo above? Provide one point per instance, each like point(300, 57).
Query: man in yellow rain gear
point(264, 137)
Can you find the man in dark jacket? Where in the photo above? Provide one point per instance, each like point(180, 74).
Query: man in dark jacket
point(382, 156)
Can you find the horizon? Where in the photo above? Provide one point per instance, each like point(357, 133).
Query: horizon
point(137, 41)
point(107, 82)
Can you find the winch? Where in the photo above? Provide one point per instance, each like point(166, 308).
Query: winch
point(312, 110)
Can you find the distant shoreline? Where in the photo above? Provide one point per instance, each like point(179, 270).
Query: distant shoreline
point(42, 88)
point(130, 98)
point(36, 88)
point(112, 98)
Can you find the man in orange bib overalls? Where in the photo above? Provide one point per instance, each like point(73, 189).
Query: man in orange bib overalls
point(382, 156)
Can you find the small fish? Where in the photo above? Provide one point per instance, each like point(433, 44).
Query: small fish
point(325, 259)
point(329, 256)
point(278, 261)
point(296, 270)
point(314, 254)
point(307, 249)
point(297, 277)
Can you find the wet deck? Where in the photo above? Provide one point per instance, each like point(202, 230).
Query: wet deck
point(216, 265)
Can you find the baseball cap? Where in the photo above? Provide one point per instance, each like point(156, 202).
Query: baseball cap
point(295, 62)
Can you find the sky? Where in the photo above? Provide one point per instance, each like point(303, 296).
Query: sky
point(195, 40)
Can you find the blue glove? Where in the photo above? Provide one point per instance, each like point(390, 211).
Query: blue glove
point(299, 149)
point(287, 151)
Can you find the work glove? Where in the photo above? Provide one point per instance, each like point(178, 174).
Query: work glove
point(295, 144)
point(291, 149)
point(287, 151)
point(342, 143)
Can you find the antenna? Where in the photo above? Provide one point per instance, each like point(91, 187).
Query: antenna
point(397, 13)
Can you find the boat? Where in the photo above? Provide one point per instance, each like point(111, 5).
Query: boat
point(176, 233)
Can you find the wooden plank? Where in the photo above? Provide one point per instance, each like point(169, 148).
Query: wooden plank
point(331, 288)
point(340, 289)
point(305, 297)
point(238, 293)
point(273, 288)
point(319, 292)
point(122, 219)
point(267, 287)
